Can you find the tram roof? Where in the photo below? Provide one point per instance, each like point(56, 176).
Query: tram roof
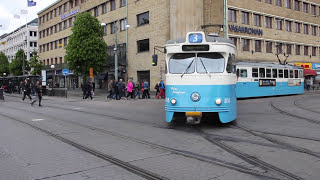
point(208, 39)
point(268, 64)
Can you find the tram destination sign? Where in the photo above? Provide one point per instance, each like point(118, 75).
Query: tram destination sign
point(195, 47)
point(267, 82)
point(246, 30)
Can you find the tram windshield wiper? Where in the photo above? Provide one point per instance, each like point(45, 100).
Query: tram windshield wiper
point(187, 68)
point(204, 67)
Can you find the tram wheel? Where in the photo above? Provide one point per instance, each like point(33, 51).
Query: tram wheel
point(170, 125)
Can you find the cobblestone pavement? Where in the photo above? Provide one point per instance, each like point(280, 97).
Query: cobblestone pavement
point(280, 131)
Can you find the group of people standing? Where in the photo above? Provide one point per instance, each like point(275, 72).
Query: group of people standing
point(27, 89)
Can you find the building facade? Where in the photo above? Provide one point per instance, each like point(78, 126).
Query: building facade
point(25, 37)
point(259, 29)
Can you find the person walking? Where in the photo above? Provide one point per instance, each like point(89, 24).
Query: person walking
point(27, 90)
point(89, 90)
point(137, 90)
point(156, 87)
point(110, 89)
point(146, 90)
point(116, 90)
point(84, 91)
point(162, 89)
point(121, 89)
point(130, 89)
point(38, 91)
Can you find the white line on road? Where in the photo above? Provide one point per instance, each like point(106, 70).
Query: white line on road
point(34, 120)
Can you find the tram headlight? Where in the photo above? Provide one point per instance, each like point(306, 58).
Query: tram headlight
point(195, 96)
point(218, 101)
point(173, 101)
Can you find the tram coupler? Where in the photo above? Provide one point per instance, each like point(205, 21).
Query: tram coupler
point(193, 117)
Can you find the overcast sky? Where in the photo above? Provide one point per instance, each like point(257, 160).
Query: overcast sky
point(8, 8)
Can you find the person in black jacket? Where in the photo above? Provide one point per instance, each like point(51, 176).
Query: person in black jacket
point(89, 90)
point(27, 90)
point(38, 91)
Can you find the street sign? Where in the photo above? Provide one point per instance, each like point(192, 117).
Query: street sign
point(65, 72)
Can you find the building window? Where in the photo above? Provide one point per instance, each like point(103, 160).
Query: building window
point(305, 29)
point(113, 27)
point(65, 24)
point(268, 22)
point(314, 51)
point(289, 49)
point(305, 7)
point(279, 48)
point(113, 5)
point(234, 40)
point(30, 44)
point(278, 3)
point(245, 44)
point(257, 46)
point(56, 60)
point(70, 22)
point(298, 47)
point(65, 42)
point(288, 26)
point(56, 44)
point(245, 18)
point(34, 44)
point(143, 18)
point(96, 11)
point(279, 24)
point(47, 16)
point(105, 30)
point(143, 45)
point(60, 60)
point(232, 15)
point(55, 28)
point(306, 50)
point(287, 4)
point(297, 27)
point(76, 3)
point(65, 7)
point(48, 47)
point(257, 20)
point(60, 10)
point(48, 62)
point(314, 30)
point(51, 12)
point(71, 4)
point(60, 26)
point(296, 5)
point(104, 8)
point(51, 46)
point(44, 62)
point(60, 43)
point(123, 25)
point(313, 9)
point(268, 1)
point(122, 3)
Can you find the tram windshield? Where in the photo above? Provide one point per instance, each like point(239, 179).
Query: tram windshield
point(210, 62)
point(182, 63)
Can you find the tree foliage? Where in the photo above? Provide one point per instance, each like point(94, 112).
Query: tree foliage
point(86, 48)
point(4, 64)
point(35, 65)
point(16, 65)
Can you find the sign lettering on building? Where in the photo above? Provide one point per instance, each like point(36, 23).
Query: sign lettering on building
point(304, 65)
point(63, 16)
point(246, 30)
point(315, 65)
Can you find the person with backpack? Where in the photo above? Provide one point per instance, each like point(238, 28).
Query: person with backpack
point(162, 89)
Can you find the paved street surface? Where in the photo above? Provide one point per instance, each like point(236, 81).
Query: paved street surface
point(68, 138)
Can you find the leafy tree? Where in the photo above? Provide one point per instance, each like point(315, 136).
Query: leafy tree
point(4, 64)
point(16, 65)
point(35, 65)
point(86, 48)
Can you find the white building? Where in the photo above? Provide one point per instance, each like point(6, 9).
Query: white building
point(25, 37)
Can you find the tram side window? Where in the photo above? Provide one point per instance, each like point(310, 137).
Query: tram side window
point(262, 72)
point(286, 75)
point(268, 73)
point(300, 73)
point(296, 74)
point(274, 73)
point(243, 73)
point(291, 73)
point(254, 72)
point(280, 73)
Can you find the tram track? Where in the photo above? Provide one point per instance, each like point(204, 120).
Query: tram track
point(125, 165)
point(246, 157)
point(184, 153)
point(304, 108)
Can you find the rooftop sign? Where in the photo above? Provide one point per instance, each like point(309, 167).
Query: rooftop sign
point(69, 14)
point(245, 30)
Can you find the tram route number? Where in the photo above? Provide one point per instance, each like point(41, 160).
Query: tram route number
point(227, 100)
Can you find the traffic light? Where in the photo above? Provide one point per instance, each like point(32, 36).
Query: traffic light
point(154, 60)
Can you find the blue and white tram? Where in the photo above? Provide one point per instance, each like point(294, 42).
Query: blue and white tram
point(200, 78)
point(267, 79)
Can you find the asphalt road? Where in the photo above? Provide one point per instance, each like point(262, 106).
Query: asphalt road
point(273, 138)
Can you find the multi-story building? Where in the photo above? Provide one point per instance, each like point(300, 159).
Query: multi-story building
point(25, 37)
point(259, 28)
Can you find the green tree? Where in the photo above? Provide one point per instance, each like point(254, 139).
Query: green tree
point(16, 65)
point(4, 64)
point(35, 65)
point(86, 48)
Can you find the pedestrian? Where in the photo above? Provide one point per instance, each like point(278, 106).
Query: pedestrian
point(38, 92)
point(121, 88)
point(162, 89)
point(84, 91)
point(89, 90)
point(137, 90)
point(156, 87)
point(93, 86)
point(27, 90)
point(130, 89)
point(110, 89)
point(146, 90)
point(116, 90)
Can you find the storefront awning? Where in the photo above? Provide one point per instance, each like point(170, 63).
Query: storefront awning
point(309, 72)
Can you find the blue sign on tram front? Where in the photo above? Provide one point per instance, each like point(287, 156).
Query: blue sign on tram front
point(195, 38)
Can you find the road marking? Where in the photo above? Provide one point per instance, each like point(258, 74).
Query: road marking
point(34, 120)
